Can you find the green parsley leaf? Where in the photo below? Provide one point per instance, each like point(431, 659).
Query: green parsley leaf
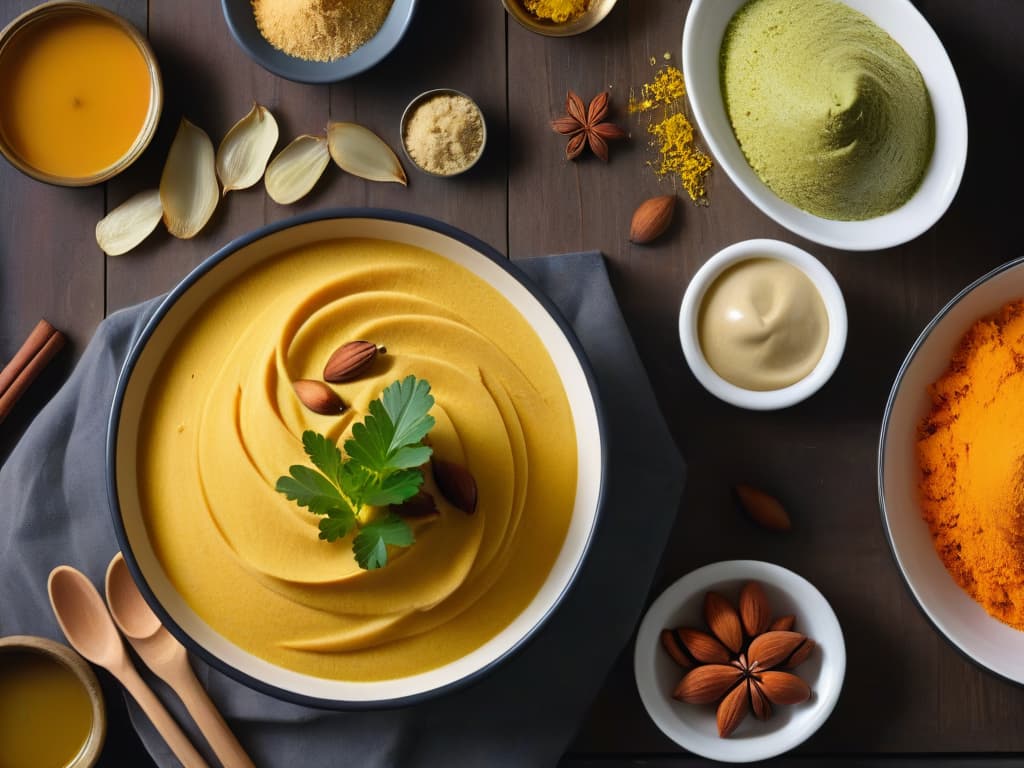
point(407, 403)
point(397, 422)
point(382, 468)
point(308, 488)
point(410, 456)
point(371, 440)
point(324, 454)
point(394, 488)
point(355, 481)
point(336, 526)
point(370, 546)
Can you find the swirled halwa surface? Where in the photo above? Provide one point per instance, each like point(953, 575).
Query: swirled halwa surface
point(223, 423)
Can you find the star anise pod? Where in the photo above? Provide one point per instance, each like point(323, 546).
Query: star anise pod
point(586, 126)
point(739, 664)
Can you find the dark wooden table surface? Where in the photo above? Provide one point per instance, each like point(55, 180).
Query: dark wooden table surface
point(907, 691)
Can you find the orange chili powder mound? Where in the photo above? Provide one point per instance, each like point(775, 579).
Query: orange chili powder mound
point(971, 454)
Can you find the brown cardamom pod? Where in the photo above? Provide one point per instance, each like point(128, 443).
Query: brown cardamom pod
point(350, 360)
point(420, 505)
point(455, 484)
point(318, 397)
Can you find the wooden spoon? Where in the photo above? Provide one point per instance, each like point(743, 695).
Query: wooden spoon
point(169, 661)
point(88, 627)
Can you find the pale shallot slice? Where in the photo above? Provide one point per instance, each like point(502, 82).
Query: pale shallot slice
point(188, 186)
point(296, 169)
point(130, 223)
point(243, 154)
point(361, 152)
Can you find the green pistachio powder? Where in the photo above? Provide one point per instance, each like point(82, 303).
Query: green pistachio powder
point(829, 110)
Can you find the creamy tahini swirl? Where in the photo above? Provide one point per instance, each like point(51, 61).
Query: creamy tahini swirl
point(224, 423)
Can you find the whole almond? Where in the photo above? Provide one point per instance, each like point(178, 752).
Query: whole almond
point(349, 360)
point(763, 509)
point(783, 622)
point(733, 709)
point(670, 643)
point(702, 646)
point(706, 684)
point(723, 621)
point(784, 688)
point(755, 610)
point(455, 484)
point(318, 397)
point(652, 218)
point(773, 648)
point(419, 506)
point(800, 655)
point(759, 703)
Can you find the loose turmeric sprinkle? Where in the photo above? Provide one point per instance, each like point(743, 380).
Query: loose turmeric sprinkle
point(558, 11)
point(678, 154)
point(667, 88)
point(673, 135)
point(971, 452)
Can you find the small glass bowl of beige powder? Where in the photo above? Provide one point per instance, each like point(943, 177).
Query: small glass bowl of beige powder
point(443, 132)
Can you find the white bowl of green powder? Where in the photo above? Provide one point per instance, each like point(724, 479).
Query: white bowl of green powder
point(842, 121)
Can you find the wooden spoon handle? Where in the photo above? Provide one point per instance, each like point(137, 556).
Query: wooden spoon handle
point(160, 717)
point(209, 719)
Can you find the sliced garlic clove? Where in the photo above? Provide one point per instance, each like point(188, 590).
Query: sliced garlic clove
point(188, 186)
point(130, 223)
point(243, 154)
point(296, 169)
point(363, 153)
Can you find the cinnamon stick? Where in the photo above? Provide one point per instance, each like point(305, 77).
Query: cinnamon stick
point(28, 362)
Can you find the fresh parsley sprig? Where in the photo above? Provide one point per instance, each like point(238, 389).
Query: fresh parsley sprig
point(384, 454)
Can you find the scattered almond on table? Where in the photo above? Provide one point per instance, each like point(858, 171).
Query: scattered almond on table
point(763, 509)
point(652, 218)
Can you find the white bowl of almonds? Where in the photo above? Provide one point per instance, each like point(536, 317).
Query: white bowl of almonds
point(740, 660)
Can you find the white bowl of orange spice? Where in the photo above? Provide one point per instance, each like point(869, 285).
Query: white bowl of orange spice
point(740, 660)
point(950, 468)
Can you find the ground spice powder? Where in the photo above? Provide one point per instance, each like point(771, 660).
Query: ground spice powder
point(673, 135)
point(668, 88)
point(319, 30)
point(445, 134)
point(971, 454)
point(558, 11)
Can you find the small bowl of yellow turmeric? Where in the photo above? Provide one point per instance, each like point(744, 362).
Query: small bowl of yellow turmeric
point(558, 18)
point(951, 471)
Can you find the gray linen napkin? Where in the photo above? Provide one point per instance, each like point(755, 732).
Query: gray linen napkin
point(53, 509)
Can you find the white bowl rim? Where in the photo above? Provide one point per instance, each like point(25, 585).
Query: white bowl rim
point(882, 447)
point(823, 281)
point(150, 326)
point(738, 570)
point(877, 233)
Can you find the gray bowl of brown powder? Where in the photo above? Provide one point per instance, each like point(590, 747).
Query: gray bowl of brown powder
point(443, 132)
point(318, 41)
